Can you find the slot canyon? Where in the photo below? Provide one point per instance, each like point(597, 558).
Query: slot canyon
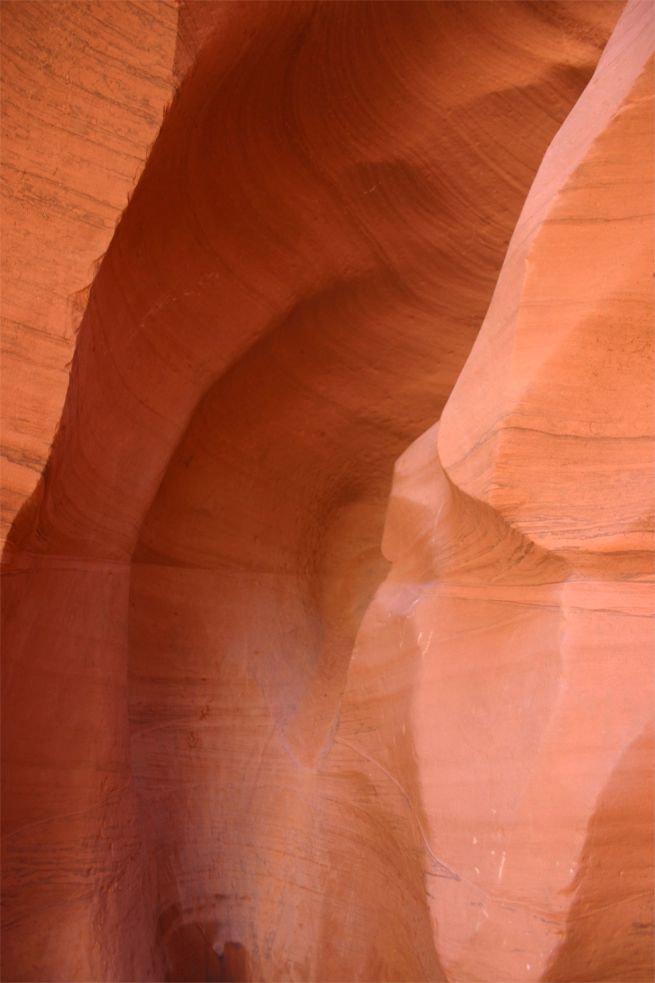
point(328, 475)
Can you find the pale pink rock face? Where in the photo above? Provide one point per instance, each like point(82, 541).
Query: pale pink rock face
point(269, 712)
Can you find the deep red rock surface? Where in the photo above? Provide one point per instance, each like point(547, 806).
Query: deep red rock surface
point(252, 729)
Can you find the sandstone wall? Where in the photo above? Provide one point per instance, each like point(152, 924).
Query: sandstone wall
point(267, 715)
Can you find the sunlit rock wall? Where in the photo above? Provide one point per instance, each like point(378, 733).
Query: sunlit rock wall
point(267, 715)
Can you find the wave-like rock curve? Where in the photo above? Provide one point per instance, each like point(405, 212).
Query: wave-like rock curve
point(238, 743)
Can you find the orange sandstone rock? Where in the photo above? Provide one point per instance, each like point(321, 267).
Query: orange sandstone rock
point(233, 749)
point(521, 533)
point(83, 89)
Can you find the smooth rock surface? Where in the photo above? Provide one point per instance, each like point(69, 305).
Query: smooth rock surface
point(240, 741)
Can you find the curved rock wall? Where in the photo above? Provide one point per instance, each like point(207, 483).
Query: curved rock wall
point(525, 522)
point(83, 90)
point(238, 743)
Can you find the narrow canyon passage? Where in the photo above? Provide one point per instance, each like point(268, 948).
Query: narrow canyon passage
point(279, 699)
